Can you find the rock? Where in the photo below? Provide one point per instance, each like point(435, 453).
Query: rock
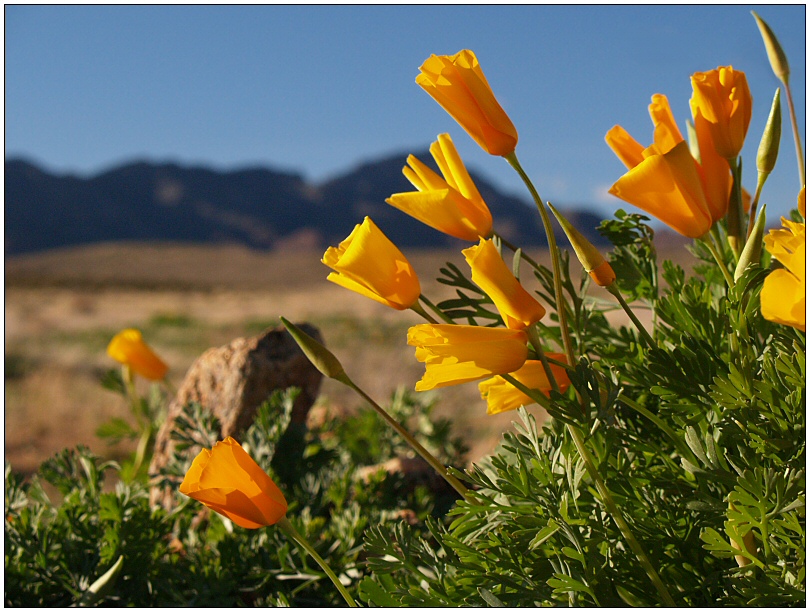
point(232, 381)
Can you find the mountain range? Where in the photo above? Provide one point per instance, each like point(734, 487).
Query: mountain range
point(258, 207)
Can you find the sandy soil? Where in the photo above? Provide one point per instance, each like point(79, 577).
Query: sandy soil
point(61, 309)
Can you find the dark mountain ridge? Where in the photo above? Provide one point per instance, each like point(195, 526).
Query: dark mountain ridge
point(259, 207)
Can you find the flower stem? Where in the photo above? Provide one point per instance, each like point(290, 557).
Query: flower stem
point(435, 309)
point(683, 449)
point(604, 493)
point(735, 209)
point(753, 212)
point(414, 444)
point(719, 259)
point(613, 289)
point(287, 527)
point(613, 509)
point(417, 308)
point(796, 135)
point(555, 255)
point(534, 339)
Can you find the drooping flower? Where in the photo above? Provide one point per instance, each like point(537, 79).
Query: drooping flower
point(490, 272)
point(458, 84)
point(451, 204)
point(666, 181)
point(230, 482)
point(368, 263)
point(783, 297)
point(128, 348)
point(502, 396)
point(455, 354)
point(722, 97)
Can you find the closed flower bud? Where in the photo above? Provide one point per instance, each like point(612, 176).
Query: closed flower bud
point(128, 348)
point(777, 57)
point(502, 396)
point(368, 263)
point(589, 256)
point(231, 483)
point(769, 145)
point(320, 356)
point(721, 96)
point(490, 272)
point(458, 84)
point(455, 354)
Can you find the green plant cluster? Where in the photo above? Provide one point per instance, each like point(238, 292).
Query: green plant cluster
point(700, 442)
point(66, 527)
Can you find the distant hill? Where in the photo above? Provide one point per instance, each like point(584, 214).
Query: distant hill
point(257, 207)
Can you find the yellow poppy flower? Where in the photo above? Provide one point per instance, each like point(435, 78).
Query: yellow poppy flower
point(229, 482)
point(722, 97)
point(783, 297)
point(455, 354)
point(451, 204)
point(368, 263)
point(502, 396)
point(666, 181)
point(458, 84)
point(128, 348)
point(517, 307)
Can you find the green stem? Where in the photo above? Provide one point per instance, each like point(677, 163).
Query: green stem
point(436, 309)
point(414, 444)
point(683, 449)
point(140, 452)
point(735, 210)
point(527, 258)
point(613, 509)
point(287, 527)
point(761, 178)
point(417, 308)
point(604, 492)
point(796, 135)
point(613, 289)
point(537, 345)
point(555, 255)
point(719, 259)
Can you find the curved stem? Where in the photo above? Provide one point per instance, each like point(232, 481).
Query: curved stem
point(437, 465)
point(537, 345)
point(613, 509)
point(753, 212)
point(604, 493)
point(287, 527)
point(435, 309)
point(796, 135)
point(527, 258)
point(683, 449)
point(555, 255)
point(735, 211)
point(417, 308)
point(613, 289)
point(719, 259)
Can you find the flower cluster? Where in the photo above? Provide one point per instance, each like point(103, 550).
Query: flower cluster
point(451, 203)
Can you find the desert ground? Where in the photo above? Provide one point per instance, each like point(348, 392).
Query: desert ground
point(62, 307)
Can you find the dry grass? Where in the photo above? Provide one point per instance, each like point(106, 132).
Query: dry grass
point(62, 308)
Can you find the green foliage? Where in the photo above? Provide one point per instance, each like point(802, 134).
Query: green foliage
point(700, 441)
point(56, 549)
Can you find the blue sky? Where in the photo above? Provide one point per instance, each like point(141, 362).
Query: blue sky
point(319, 89)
